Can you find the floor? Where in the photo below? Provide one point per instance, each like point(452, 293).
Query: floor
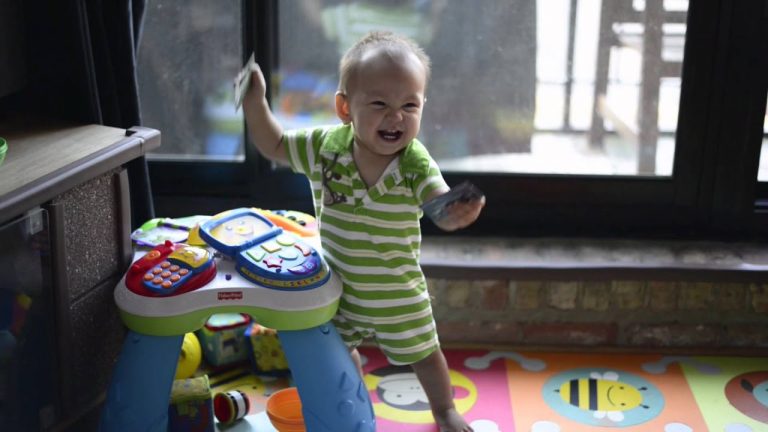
point(551, 392)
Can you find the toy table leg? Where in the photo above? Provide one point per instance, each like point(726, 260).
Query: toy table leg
point(140, 391)
point(333, 395)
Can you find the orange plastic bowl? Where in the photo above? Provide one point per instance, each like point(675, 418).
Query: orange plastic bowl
point(284, 410)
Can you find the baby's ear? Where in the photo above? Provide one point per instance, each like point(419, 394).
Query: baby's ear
point(342, 108)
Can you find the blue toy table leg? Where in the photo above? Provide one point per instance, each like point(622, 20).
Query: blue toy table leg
point(141, 384)
point(333, 395)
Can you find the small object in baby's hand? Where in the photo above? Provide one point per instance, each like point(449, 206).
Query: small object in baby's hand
point(243, 81)
point(464, 192)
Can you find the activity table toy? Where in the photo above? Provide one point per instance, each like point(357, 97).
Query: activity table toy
point(248, 265)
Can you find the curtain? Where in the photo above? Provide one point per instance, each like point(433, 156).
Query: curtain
point(81, 66)
point(110, 39)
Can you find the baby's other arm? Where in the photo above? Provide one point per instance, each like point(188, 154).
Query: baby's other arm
point(263, 128)
point(458, 214)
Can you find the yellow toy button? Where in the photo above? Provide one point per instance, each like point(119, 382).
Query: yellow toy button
point(285, 240)
point(244, 230)
point(256, 254)
point(271, 246)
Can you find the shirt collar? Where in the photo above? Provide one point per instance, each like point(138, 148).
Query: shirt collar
point(413, 159)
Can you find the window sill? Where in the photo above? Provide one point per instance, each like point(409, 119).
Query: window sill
point(592, 259)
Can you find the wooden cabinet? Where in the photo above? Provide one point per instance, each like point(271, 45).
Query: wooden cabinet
point(77, 174)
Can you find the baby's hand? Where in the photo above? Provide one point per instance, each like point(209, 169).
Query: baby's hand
point(460, 214)
point(256, 89)
point(258, 84)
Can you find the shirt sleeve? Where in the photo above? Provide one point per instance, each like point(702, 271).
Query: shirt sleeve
point(427, 181)
point(303, 146)
point(422, 171)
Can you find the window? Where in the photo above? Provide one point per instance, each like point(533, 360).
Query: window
point(515, 96)
point(186, 65)
point(762, 173)
point(577, 117)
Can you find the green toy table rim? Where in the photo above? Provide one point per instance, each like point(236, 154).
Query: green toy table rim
point(189, 322)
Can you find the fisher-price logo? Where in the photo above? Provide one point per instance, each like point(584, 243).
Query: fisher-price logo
point(230, 295)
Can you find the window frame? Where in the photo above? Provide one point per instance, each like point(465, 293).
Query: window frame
point(713, 192)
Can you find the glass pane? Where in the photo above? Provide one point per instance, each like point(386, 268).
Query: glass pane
point(513, 82)
point(762, 171)
point(27, 342)
point(189, 54)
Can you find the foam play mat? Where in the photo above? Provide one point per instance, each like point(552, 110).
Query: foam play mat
point(551, 392)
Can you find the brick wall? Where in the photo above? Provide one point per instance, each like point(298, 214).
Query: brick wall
point(612, 313)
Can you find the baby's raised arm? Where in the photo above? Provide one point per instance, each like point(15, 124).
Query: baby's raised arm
point(263, 128)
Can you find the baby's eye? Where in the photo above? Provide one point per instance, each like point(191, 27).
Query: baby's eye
point(411, 107)
point(378, 104)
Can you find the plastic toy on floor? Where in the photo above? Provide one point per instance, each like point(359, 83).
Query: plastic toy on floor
point(247, 265)
point(223, 339)
point(191, 406)
point(266, 353)
point(284, 411)
point(190, 357)
point(230, 406)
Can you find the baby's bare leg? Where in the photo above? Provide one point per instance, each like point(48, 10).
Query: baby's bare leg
point(355, 354)
point(433, 376)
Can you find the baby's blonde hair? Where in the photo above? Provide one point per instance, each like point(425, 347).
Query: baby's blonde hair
point(376, 39)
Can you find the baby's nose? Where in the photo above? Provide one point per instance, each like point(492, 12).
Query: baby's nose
point(395, 114)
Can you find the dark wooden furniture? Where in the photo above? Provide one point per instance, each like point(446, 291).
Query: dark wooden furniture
point(77, 175)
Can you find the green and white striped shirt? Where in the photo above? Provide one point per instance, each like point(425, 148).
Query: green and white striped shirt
point(372, 237)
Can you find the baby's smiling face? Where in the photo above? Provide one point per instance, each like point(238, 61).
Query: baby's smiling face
point(384, 101)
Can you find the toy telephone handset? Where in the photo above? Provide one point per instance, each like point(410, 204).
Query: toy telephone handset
point(171, 269)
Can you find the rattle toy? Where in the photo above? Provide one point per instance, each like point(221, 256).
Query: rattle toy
point(230, 406)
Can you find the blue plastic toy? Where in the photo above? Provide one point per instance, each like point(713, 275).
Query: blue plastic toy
point(274, 276)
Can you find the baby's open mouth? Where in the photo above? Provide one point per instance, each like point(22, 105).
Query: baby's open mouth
point(390, 135)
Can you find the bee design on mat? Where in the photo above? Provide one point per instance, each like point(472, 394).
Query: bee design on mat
point(604, 394)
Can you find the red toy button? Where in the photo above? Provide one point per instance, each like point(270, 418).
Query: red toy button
point(305, 250)
point(273, 262)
